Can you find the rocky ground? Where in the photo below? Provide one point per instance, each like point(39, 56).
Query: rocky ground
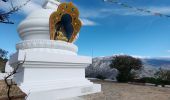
point(122, 91)
point(15, 93)
point(110, 91)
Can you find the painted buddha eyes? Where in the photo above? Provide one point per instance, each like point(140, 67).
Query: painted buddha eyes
point(72, 9)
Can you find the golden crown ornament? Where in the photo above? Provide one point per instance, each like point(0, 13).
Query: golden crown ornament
point(65, 23)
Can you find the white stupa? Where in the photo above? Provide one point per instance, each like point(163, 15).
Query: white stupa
point(52, 69)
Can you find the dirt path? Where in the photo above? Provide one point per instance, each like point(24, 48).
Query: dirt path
point(120, 91)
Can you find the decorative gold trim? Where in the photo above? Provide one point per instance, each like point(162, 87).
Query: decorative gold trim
point(65, 8)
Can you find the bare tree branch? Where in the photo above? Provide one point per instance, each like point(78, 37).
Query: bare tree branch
point(9, 85)
point(4, 0)
point(4, 16)
point(7, 22)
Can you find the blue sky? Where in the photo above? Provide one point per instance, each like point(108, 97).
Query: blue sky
point(109, 28)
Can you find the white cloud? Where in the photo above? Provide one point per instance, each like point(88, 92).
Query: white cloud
point(117, 11)
point(123, 12)
point(142, 57)
point(93, 13)
point(136, 56)
point(87, 22)
point(145, 57)
point(163, 10)
point(4, 5)
point(168, 51)
point(105, 12)
point(29, 7)
point(37, 4)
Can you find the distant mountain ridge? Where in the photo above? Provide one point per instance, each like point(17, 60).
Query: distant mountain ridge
point(165, 63)
point(100, 66)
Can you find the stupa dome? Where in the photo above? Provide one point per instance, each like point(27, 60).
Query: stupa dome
point(36, 25)
point(40, 24)
point(35, 32)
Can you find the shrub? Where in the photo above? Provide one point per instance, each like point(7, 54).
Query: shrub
point(163, 74)
point(3, 60)
point(2, 65)
point(100, 77)
point(125, 64)
point(156, 81)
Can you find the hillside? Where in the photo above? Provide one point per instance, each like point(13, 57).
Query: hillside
point(100, 66)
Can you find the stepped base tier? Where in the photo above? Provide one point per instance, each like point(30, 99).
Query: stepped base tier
point(50, 69)
point(51, 72)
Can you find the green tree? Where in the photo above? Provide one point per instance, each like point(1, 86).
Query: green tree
point(3, 59)
point(125, 64)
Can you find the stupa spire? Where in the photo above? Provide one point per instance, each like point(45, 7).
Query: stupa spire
point(51, 4)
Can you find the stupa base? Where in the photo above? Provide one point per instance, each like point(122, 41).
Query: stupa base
point(52, 76)
point(44, 93)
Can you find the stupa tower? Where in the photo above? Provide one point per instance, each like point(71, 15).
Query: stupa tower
point(52, 69)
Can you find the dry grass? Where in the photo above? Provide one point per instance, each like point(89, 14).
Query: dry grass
point(122, 91)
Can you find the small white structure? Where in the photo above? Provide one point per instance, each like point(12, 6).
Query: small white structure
point(8, 68)
point(2, 76)
point(52, 69)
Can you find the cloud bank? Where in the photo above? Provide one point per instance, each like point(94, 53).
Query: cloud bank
point(86, 13)
point(87, 22)
point(37, 4)
point(31, 6)
point(106, 12)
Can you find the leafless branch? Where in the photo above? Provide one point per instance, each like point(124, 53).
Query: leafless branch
point(4, 0)
point(4, 16)
point(9, 85)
